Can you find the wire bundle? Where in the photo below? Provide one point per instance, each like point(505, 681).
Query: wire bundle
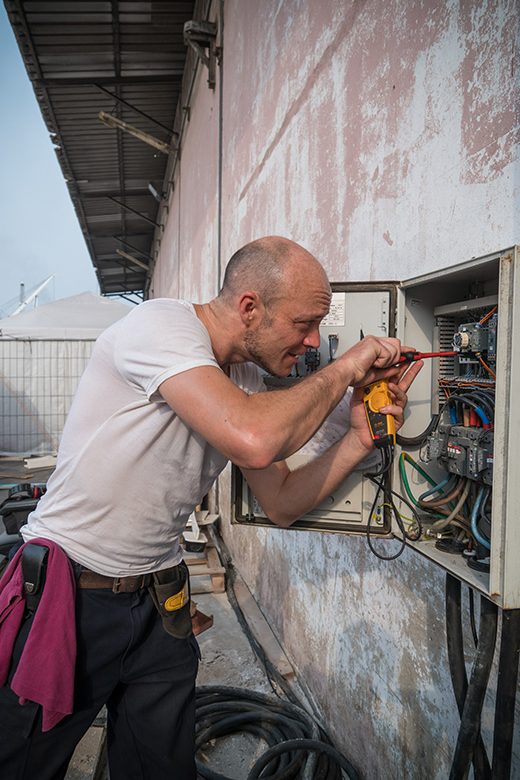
point(298, 746)
point(384, 489)
point(459, 504)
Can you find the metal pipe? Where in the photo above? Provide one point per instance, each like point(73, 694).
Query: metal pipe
point(117, 124)
point(132, 247)
point(134, 211)
point(132, 259)
point(137, 110)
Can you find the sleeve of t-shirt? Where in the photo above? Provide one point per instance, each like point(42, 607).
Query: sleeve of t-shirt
point(159, 339)
point(247, 377)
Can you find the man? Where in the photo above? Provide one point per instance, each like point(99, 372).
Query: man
point(169, 396)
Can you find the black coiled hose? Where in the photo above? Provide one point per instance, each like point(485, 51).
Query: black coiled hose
point(298, 747)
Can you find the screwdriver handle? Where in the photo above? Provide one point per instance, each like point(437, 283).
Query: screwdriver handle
point(409, 357)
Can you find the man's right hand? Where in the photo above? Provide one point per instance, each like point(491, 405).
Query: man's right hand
point(371, 359)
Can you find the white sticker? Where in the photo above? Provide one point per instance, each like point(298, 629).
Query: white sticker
point(336, 315)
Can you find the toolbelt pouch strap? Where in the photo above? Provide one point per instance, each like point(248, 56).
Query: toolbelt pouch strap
point(34, 565)
point(170, 592)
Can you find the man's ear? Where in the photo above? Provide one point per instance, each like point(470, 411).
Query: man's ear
point(250, 307)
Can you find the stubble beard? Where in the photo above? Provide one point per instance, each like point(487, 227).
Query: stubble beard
point(252, 342)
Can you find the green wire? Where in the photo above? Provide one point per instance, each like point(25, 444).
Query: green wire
point(404, 478)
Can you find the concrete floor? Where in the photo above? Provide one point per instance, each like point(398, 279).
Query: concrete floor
point(227, 659)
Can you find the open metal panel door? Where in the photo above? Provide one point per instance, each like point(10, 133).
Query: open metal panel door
point(473, 307)
point(370, 308)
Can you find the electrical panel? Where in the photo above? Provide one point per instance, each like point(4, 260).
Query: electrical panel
point(458, 461)
point(456, 492)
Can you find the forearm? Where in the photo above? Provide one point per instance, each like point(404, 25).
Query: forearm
point(286, 419)
point(256, 430)
point(301, 490)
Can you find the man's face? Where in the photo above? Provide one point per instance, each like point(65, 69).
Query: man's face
point(288, 328)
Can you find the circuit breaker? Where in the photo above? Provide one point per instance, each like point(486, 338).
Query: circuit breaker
point(455, 465)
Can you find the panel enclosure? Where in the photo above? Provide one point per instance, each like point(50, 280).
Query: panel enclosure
point(367, 308)
point(435, 312)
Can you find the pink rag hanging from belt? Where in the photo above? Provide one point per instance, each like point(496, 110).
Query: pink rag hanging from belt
point(45, 672)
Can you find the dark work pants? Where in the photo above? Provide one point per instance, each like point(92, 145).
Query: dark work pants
point(146, 678)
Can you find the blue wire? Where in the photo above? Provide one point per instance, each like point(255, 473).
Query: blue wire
point(436, 488)
point(453, 411)
point(483, 416)
point(474, 514)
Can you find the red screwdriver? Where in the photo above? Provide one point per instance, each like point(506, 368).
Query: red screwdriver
point(409, 357)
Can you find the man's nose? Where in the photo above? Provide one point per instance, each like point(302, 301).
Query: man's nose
point(312, 339)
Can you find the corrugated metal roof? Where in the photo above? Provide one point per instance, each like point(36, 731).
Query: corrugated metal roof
point(84, 57)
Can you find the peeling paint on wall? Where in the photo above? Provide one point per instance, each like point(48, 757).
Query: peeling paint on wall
point(489, 73)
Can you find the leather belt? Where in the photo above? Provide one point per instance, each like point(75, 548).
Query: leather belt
point(90, 579)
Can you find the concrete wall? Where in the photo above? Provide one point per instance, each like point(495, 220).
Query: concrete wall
point(383, 137)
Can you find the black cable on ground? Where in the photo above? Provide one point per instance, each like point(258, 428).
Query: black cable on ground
point(269, 718)
point(455, 641)
point(506, 694)
point(290, 731)
point(470, 719)
point(297, 745)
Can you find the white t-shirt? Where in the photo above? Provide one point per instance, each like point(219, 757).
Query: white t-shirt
point(129, 470)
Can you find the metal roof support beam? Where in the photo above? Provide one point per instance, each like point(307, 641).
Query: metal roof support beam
point(95, 194)
point(132, 259)
point(116, 48)
point(126, 297)
point(131, 246)
point(137, 110)
point(85, 81)
point(118, 124)
point(134, 211)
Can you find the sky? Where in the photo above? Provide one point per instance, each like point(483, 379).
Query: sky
point(39, 230)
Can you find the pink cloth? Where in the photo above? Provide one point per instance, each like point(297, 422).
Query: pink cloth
point(45, 673)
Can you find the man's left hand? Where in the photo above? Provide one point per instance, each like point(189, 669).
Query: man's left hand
point(398, 390)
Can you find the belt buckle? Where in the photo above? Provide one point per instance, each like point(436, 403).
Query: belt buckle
point(116, 585)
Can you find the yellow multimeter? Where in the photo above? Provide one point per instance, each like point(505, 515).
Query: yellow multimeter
point(382, 426)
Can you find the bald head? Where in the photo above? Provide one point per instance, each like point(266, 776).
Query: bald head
point(269, 266)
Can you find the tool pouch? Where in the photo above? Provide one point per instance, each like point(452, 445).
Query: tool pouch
point(34, 566)
point(170, 592)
